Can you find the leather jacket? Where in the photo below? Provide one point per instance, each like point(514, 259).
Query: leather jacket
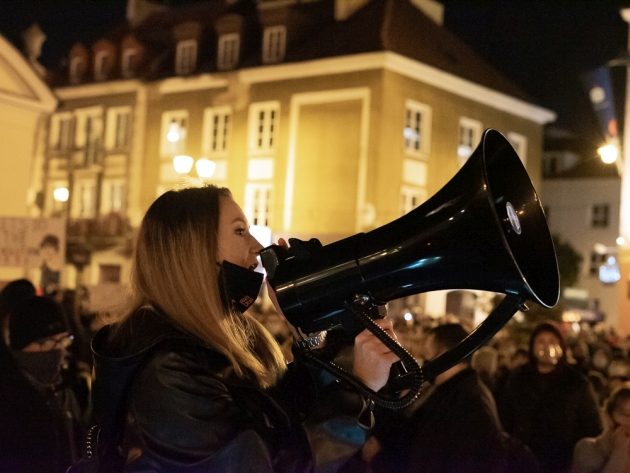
point(170, 403)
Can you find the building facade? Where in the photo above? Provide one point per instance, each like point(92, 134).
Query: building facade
point(325, 118)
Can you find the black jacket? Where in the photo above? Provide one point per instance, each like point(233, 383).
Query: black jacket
point(456, 430)
point(39, 428)
point(550, 413)
point(185, 410)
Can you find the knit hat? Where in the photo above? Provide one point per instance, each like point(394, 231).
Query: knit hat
point(33, 319)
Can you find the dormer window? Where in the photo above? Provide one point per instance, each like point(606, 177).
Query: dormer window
point(228, 51)
point(129, 61)
point(274, 44)
point(77, 69)
point(102, 65)
point(186, 57)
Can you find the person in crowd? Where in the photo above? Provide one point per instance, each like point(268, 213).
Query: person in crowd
point(609, 452)
point(547, 404)
point(485, 362)
point(50, 268)
point(189, 381)
point(40, 420)
point(455, 429)
point(618, 372)
point(11, 295)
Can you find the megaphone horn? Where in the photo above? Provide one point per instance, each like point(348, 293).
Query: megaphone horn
point(484, 230)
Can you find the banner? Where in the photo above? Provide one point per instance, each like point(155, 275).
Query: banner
point(37, 245)
point(598, 86)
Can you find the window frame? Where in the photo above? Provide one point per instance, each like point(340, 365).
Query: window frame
point(274, 44)
point(186, 57)
point(422, 129)
point(225, 61)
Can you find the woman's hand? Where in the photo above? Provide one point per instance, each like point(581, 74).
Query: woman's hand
point(372, 359)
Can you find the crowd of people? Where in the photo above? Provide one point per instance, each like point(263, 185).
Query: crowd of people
point(195, 378)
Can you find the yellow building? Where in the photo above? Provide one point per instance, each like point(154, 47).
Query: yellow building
point(325, 118)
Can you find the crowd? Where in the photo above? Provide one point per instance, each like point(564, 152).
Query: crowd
point(190, 380)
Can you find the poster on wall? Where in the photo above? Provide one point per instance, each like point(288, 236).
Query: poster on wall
point(37, 246)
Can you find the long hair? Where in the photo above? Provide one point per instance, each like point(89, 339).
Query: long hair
point(175, 269)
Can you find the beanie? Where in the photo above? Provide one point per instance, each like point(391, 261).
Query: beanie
point(33, 319)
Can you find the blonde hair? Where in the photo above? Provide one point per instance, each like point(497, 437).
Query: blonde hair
point(175, 269)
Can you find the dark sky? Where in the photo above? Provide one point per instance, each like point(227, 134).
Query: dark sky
point(543, 45)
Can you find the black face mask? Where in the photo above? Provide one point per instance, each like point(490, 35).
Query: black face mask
point(239, 286)
point(44, 366)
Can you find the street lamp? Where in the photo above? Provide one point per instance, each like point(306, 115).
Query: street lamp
point(608, 153)
point(183, 165)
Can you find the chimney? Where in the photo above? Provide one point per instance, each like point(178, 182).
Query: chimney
point(345, 8)
point(33, 39)
point(140, 10)
point(431, 8)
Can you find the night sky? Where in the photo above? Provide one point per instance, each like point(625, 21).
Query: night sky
point(542, 45)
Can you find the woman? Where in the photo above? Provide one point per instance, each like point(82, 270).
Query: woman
point(190, 382)
point(610, 452)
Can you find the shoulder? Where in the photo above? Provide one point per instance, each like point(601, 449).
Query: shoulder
point(588, 455)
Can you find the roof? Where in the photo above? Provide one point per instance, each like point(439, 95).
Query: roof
point(314, 33)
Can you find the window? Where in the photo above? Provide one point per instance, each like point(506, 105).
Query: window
point(597, 259)
point(410, 198)
point(108, 273)
point(263, 127)
point(258, 204)
point(61, 131)
point(113, 196)
point(129, 62)
point(174, 132)
point(274, 44)
point(77, 69)
point(89, 134)
point(102, 65)
point(228, 51)
point(519, 143)
point(468, 138)
point(186, 57)
point(84, 202)
point(216, 122)
point(599, 215)
point(118, 126)
point(417, 129)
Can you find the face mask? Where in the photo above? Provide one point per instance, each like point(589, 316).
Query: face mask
point(239, 286)
point(44, 366)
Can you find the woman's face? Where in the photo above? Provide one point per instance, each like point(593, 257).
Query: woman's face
point(621, 416)
point(236, 244)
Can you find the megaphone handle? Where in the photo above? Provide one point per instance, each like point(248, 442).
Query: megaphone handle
point(484, 332)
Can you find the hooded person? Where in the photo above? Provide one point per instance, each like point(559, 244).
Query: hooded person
point(547, 403)
point(39, 415)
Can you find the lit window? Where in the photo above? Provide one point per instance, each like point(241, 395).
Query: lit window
point(102, 65)
point(258, 204)
point(217, 123)
point(417, 129)
point(174, 132)
point(77, 69)
point(519, 143)
point(228, 51)
point(61, 131)
point(83, 205)
point(274, 44)
point(113, 196)
point(186, 57)
point(410, 198)
point(129, 62)
point(263, 123)
point(600, 215)
point(89, 134)
point(468, 138)
point(118, 126)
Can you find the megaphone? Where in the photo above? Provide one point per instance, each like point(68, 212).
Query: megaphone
point(484, 230)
